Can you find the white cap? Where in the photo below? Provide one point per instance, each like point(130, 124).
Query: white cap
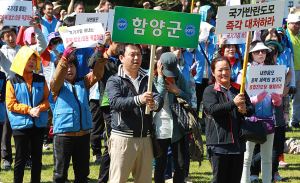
point(260, 46)
point(293, 18)
point(55, 5)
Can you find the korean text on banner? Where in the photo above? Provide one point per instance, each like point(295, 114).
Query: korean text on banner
point(235, 38)
point(270, 78)
point(288, 4)
point(154, 27)
point(16, 13)
point(91, 18)
point(244, 18)
point(82, 36)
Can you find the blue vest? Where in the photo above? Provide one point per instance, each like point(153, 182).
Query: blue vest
point(71, 111)
point(201, 58)
point(48, 27)
point(2, 109)
point(22, 121)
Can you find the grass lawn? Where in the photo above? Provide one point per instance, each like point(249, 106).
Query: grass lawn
point(197, 174)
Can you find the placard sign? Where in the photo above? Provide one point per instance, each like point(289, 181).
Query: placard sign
point(287, 5)
point(154, 27)
point(235, 38)
point(82, 36)
point(251, 17)
point(270, 78)
point(16, 13)
point(91, 18)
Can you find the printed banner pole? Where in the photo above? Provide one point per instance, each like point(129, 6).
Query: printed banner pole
point(151, 71)
point(192, 6)
point(242, 89)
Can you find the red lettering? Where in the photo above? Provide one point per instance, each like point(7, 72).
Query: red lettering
point(230, 25)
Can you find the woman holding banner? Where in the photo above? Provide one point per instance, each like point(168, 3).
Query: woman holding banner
point(222, 103)
point(263, 104)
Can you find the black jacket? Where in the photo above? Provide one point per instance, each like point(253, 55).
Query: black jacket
point(111, 68)
point(127, 112)
point(218, 114)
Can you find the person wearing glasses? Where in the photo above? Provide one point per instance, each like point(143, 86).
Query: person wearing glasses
point(263, 104)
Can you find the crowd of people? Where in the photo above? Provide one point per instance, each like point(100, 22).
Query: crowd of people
point(77, 97)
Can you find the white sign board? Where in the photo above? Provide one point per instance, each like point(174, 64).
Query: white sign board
point(235, 38)
point(251, 17)
point(16, 13)
point(270, 78)
point(288, 4)
point(91, 18)
point(82, 36)
point(111, 14)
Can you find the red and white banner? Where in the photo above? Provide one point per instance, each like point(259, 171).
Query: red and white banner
point(268, 77)
point(251, 17)
point(82, 36)
point(16, 13)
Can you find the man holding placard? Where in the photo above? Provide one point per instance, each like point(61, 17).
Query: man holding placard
point(143, 26)
point(130, 146)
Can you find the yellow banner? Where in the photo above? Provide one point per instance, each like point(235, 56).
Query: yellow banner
point(21, 59)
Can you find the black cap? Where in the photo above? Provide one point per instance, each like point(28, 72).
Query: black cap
point(169, 61)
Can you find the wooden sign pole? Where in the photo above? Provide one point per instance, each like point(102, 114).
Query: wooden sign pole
point(192, 6)
point(151, 72)
point(246, 56)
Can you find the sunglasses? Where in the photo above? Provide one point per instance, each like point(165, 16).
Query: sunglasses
point(260, 51)
point(56, 41)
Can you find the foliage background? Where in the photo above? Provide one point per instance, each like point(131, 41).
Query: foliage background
point(172, 5)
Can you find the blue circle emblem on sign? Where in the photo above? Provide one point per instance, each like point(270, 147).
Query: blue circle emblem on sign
point(190, 30)
point(122, 24)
